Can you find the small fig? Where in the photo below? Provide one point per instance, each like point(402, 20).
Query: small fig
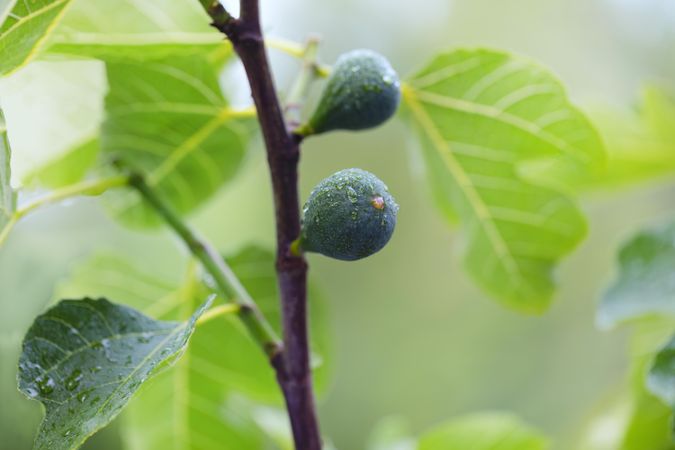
point(349, 215)
point(363, 91)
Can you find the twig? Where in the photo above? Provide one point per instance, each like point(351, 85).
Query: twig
point(226, 281)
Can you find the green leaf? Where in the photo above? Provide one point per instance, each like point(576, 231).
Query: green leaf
point(223, 389)
point(69, 168)
point(112, 276)
point(84, 359)
point(170, 120)
point(487, 431)
point(661, 378)
point(482, 116)
point(640, 147)
point(7, 197)
point(132, 30)
point(24, 30)
point(645, 285)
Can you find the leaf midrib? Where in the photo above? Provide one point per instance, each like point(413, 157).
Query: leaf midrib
point(38, 43)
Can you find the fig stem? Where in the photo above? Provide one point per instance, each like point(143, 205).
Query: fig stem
point(308, 73)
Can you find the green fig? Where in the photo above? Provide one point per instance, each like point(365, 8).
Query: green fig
point(363, 91)
point(349, 215)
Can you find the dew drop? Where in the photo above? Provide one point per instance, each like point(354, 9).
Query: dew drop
point(73, 381)
point(352, 195)
point(45, 385)
point(32, 393)
point(147, 336)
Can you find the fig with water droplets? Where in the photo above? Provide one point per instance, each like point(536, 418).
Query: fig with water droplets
point(349, 215)
point(363, 91)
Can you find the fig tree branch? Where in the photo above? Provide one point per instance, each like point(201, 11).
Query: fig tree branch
point(283, 153)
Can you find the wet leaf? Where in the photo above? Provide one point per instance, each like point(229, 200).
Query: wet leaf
point(84, 359)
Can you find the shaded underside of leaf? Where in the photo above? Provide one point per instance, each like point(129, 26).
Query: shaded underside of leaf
point(486, 431)
point(133, 30)
point(640, 148)
point(84, 359)
point(6, 192)
point(25, 28)
point(169, 119)
point(646, 281)
point(481, 116)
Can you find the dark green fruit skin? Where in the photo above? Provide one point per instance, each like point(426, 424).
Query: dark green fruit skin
point(363, 91)
point(340, 219)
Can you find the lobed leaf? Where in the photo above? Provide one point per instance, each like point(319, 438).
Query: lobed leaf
point(482, 116)
point(486, 431)
point(24, 30)
point(7, 197)
point(169, 119)
point(645, 285)
point(84, 359)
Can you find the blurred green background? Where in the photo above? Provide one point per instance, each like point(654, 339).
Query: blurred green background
point(413, 336)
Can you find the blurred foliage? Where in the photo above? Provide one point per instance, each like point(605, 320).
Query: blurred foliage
point(175, 127)
point(6, 193)
point(481, 115)
point(483, 432)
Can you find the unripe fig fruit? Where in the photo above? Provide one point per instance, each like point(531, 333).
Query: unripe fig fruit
point(363, 91)
point(349, 215)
